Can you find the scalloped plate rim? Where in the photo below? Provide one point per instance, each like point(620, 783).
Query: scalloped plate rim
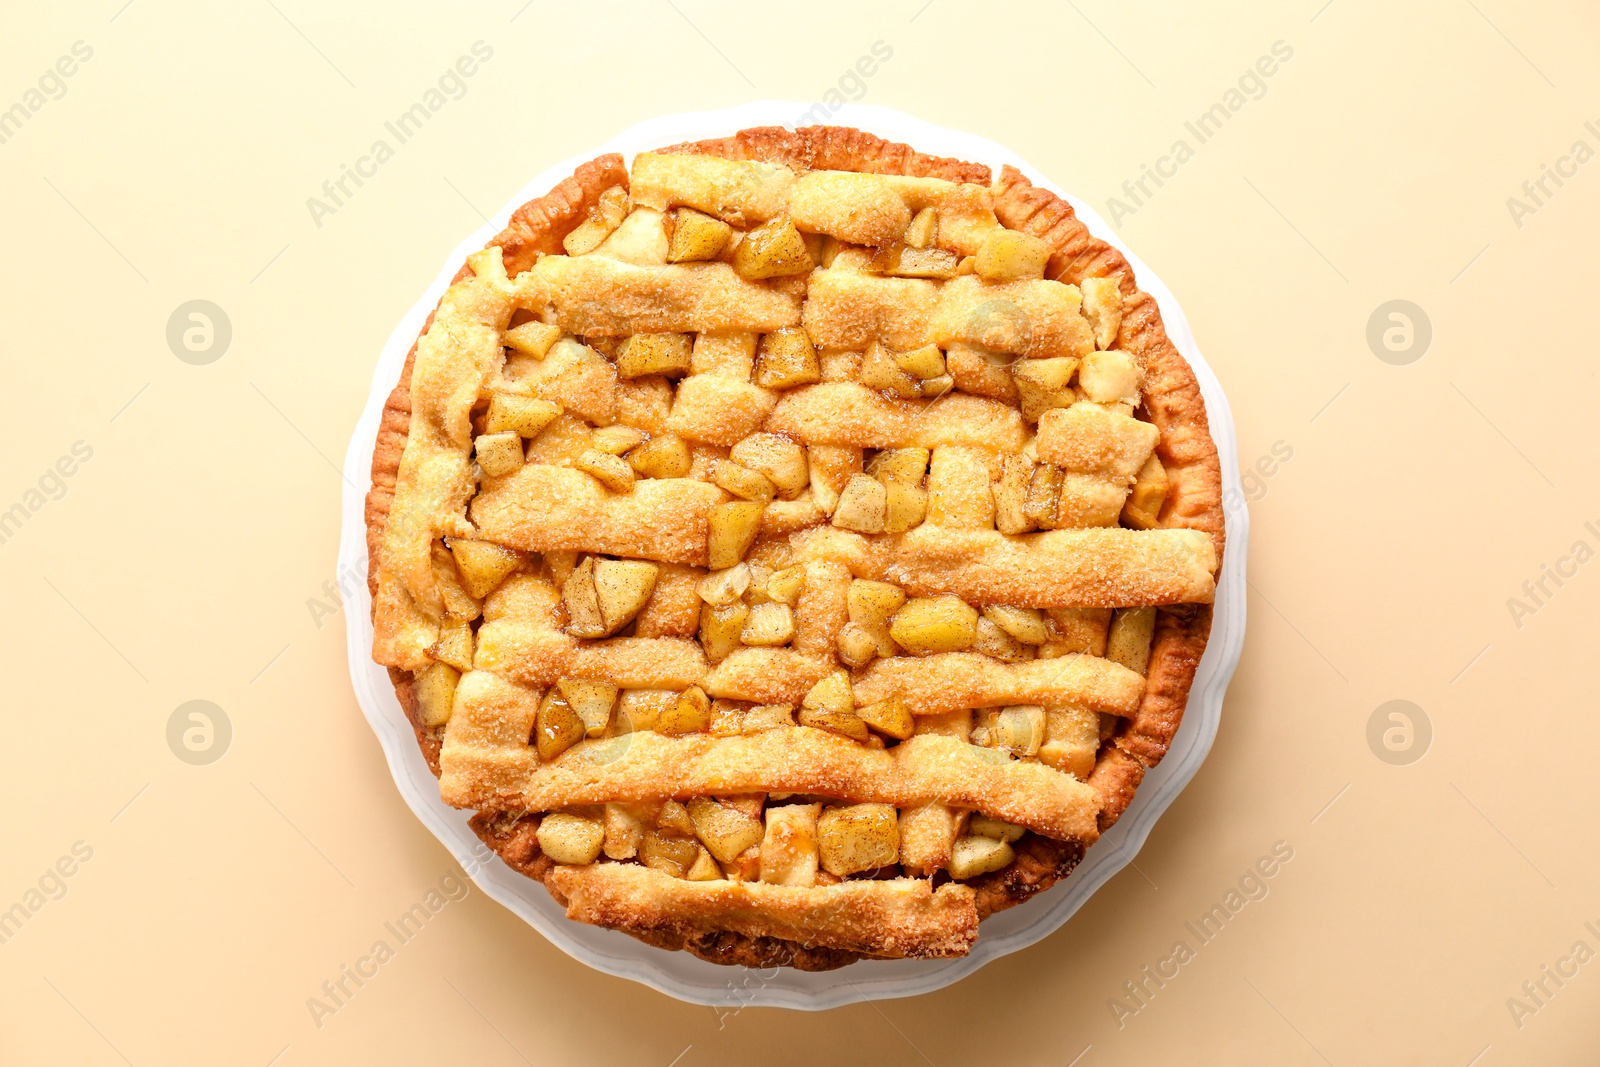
point(679, 974)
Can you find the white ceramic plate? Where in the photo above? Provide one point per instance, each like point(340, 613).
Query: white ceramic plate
point(679, 974)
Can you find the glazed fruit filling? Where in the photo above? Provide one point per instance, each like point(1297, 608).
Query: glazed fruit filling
point(781, 839)
point(786, 505)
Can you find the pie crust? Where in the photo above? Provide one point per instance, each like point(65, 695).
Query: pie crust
point(811, 174)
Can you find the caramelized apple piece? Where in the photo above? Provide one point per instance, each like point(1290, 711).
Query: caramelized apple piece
point(1009, 256)
point(455, 644)
point(720, 628)
point(871, 605)
point(780, 459)
point(570, 838)
point(483, 564)
point(1011, 495)
point(610, 471)
point(704, 868)
point(733, 529)
point(556, 727)
point(523, 415)
point(904, 465)
point(830, 705)
point(891, 717)
point(668, 854)
point(459, 605)
point(985, 826)
point(845, 723)
point(746, 866)
point(623, 830)
point(862, 505)
point(766, 717)
point(1044, 496)
point(934, 624)
point(922, 363)
point(615, 440)
point(831, 693)
point(435, 693)
point(690, 715)
point(622, 587)
point(904, 506)
point(830, 468)
point(784, 586)
point(858, 837)
point(532, 338)
point(582, 602)
point(786, 359)
point(973, 855)
point(721, 588)
point(727, 718)
point(1077, 630)
point(774, 249)
point(663, 456)
point(768, 626)
point(1071, 739)
point(741, 481)
point(880, 371)
point(924, 226)
point(760, 574)
point(640, 709)
point(654, 353)
point(1043, 384)
point(790, 850)
point(1025, 624)
point(991, 640)
point(1128, 643)
point(1020, 728)
point(1110, 377)
point(673, 818)
point(1142, 509)
point(591, 701)
point(725, 831)
point(980, 372)
point(606, 215)
point(499, 454)
point(561, 442)
point(905, 262)
point(696, 236)
point(857, 647)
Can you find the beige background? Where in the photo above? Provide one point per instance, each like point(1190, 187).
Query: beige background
point(179, 564)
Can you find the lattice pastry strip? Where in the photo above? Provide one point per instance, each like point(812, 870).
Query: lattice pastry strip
point(486, 761)
point(864, 209)
point(893, 919)
point(454, 359)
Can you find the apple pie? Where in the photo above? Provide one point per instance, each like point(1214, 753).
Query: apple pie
point(793, 547)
